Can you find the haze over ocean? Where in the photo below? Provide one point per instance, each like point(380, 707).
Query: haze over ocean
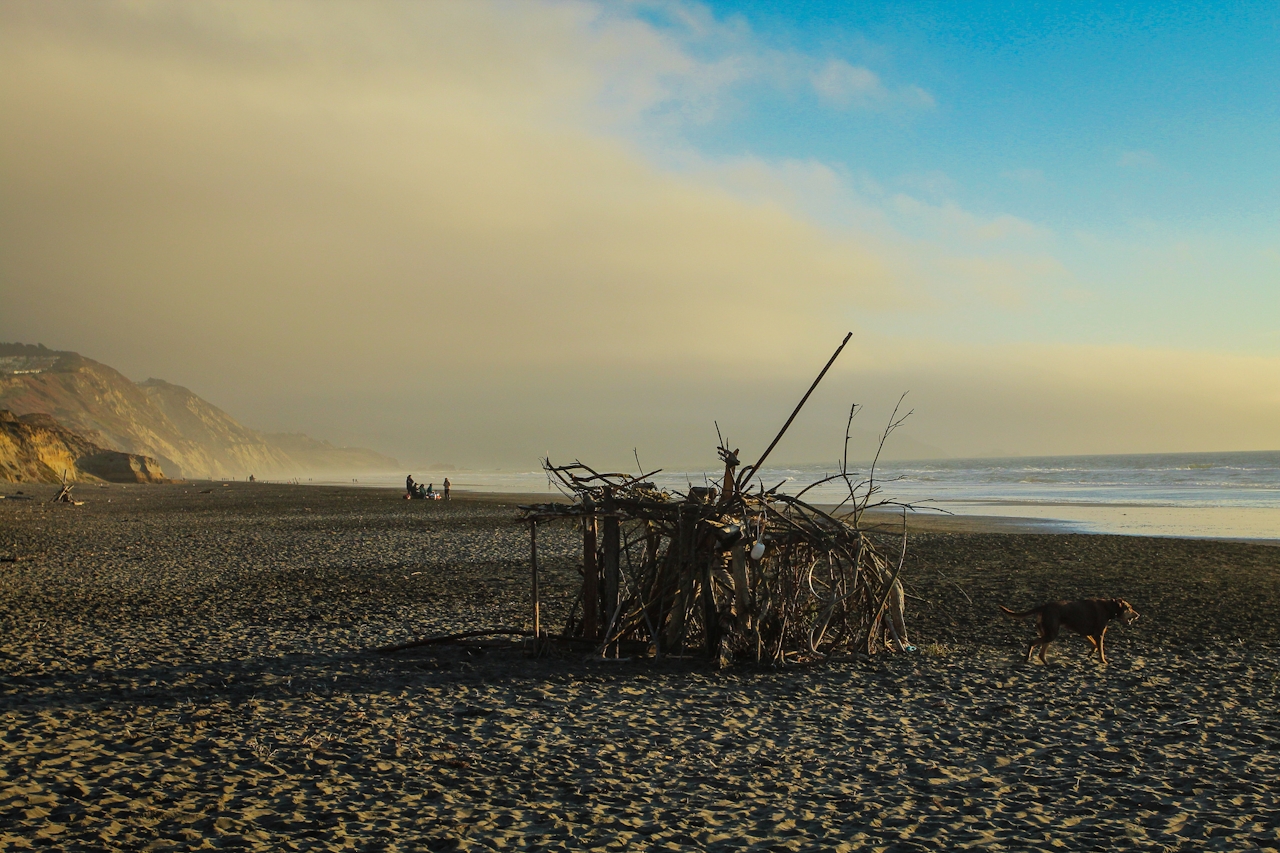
point(1221, 495)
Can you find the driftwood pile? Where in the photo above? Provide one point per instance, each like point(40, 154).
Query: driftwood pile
point(732, 571)
point(64, 494)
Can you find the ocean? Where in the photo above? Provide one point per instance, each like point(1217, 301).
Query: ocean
point(1219, 495)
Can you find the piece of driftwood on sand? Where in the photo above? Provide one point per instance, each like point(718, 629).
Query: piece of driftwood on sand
point(64, 494)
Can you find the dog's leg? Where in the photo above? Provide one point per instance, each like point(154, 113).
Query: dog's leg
point(1102, 654)
point(1049, 627)
point(1093, 646)
point(1031, 649)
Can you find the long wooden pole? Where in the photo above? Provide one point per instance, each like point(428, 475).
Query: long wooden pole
point(612, 556)
point(741, 585)
point(748, 473)
point(590, 577)
point(533, 563)
point(680, 568)
point(710, 611)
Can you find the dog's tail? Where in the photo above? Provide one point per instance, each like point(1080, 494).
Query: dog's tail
point(1015, 615)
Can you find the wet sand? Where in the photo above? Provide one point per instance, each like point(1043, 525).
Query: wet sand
point(1245, 524)
point(188, 667)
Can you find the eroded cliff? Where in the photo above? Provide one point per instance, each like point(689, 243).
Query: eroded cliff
point(35, 448)
point(189, 436)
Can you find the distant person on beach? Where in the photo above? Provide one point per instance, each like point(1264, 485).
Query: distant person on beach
point(410, 487)
point(431, 491)
point(446, 488)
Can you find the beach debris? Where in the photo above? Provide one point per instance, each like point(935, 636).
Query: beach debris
point(454, 638)
point(64, 495)
point(735, 571)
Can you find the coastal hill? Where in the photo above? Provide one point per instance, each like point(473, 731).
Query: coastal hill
point(35, 448)
point(189, 436)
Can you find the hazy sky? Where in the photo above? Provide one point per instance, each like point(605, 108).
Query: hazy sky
point(475, 233)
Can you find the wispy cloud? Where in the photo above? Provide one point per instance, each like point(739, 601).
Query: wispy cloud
point(969, 225)
point(1139, 159)
point(842, 85)
point(1027, 177)
point(937, 184)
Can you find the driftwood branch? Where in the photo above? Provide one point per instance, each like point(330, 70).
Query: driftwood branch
point(453, 638)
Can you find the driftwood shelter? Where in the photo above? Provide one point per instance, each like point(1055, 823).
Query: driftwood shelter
point(736, 571)
point(733, 571)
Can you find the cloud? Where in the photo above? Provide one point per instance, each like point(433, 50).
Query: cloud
point(970, 226)
point(396, 203)
point(1076, 398)
point(1138, 160)
point(1029, 177)
point(261, 160)
point(441, 226)
point(842, 85)
point(497, 234)
point(916, 96)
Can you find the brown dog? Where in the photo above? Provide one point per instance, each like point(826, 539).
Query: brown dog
point(1088, 617)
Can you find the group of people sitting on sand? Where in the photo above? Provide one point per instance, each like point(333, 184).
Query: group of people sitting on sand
point(417, 491)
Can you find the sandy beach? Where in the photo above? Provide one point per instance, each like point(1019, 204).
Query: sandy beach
point(190, 667)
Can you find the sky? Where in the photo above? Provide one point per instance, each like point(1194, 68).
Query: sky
point(479, 233)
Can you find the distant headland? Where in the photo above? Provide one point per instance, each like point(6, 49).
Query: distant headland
point(188, 436)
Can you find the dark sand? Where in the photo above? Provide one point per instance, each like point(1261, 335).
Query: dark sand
point(186, 667)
